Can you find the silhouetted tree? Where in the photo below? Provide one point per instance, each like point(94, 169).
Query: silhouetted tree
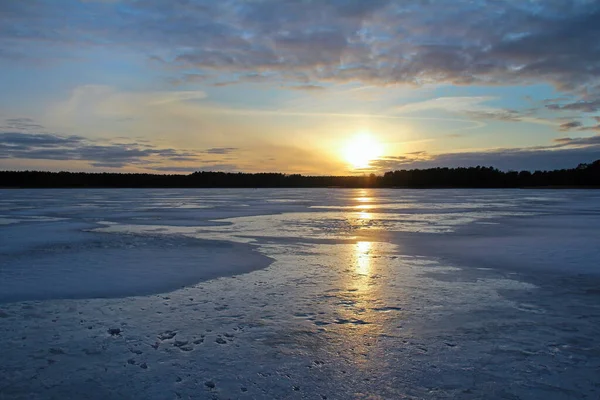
point(584, 175)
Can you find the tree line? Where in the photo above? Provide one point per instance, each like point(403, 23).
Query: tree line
point(584, 175)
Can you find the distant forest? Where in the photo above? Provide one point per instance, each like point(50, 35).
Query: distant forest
point(585, 175)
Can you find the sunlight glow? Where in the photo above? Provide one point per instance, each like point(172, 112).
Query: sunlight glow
point(364, 216)
point(362, 150)
point(363, 260)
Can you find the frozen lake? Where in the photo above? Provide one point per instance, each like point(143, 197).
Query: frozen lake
point(300, 294)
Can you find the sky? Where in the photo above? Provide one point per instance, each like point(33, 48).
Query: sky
point(176, 86)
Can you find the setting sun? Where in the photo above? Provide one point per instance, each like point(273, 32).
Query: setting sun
point(361, 150)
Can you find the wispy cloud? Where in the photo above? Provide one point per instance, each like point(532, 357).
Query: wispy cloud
point(220, 150)
point(582, 141)
point(475, 107)
point(204, 167)
point(309, 88)
point(579, 126)
point(453, 104)
point(110, 101)
point(583, 106)
point(98, 153)
point(567, 126)
point(469, 124)
point(21, 124)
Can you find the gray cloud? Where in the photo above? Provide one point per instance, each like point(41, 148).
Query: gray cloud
point(43, 146)
point(205, 167)
point(380, 42)
point(582, 106)
point(578, 126)
point(38, 139)
point(566, 152)
point(174, 169)
point(245, 78)
point(587, 141)
point(189, 78)
point(503, 159)
point(220, 150)
point(21, 124)
point(567, 126)
point(309, 88)
point(183, 158)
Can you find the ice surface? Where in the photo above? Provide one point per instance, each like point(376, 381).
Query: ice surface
point(324, 293)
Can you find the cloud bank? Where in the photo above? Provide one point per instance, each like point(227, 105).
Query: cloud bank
point(566, 152)
point(379, 41)
point(503, 159)
point(45, 146)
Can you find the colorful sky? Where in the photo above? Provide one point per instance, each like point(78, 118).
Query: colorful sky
point(175, 86)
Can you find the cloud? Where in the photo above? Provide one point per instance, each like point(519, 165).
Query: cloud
point(109, 101)
point(97, 110)
point(582, 106)
point(578, 126)
point(46, 146)
point(189, 78)
point(18, 140)
point(380, 42)
point(474, 107)
point(567, 126)
point(206, 167)
point(565, 152)
point(245, 78)
point(503, 115)
point(453, 104)
point(503, 159)
point(220, 150)
point(301, 45)
point(309, 88)
point(57, 147)
point(585, 141)
point(21, 124)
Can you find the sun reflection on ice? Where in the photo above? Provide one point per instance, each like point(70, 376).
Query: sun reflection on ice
point(364, 216)
point(357, 321)
point(363, 258)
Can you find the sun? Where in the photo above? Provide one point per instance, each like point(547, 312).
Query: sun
point(361, 150)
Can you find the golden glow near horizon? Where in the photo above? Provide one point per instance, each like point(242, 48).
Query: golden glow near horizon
point(361, 150)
